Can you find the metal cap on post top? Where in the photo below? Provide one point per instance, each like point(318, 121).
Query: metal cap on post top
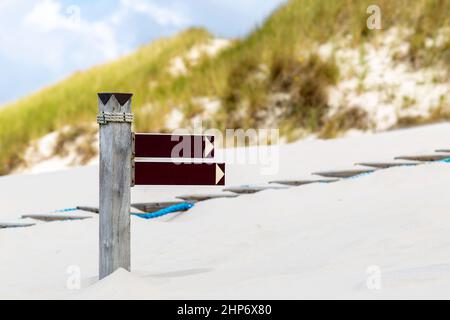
point(122, 98)
point(115, 110)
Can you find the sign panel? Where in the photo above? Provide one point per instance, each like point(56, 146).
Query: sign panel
point(189, 174)
point(173, 146)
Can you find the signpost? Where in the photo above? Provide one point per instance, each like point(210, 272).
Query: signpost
point(128, 159)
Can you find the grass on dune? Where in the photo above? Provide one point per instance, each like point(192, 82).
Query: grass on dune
point(282, 44)
point(278, 49)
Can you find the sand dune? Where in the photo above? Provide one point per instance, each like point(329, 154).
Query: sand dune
point(313, 241)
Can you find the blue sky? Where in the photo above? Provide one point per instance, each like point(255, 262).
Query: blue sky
point(43, 41)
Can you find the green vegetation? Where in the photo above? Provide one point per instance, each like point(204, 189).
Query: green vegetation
point(275, 58)
point(353, 118)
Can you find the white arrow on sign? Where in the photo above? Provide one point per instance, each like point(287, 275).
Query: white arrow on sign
point(219, 174)
point(208, 147)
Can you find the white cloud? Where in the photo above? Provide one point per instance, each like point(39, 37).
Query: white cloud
point(162, 15)
point(6, 3)
point(62, 27)
point(47, 16)
point(63, 30)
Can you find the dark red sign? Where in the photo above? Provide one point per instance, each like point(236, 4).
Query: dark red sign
point(173, 146)
point(169, 173)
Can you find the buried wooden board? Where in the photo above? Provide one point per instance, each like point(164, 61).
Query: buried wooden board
point(386, 165)
point(15, 225)
point(424, 158)
point(251, 189)
point(52, 217)
point(89, 209)
point(296, 183)
point(204, 197)
point(342, 174)
point(151, 207)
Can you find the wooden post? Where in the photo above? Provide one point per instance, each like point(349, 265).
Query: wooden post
point(115, 180)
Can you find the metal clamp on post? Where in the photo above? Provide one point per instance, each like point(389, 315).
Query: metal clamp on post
point(107, 117)
point(133, 156)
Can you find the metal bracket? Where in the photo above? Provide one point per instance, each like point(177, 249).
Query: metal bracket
point(133, 155)
point(107, 117)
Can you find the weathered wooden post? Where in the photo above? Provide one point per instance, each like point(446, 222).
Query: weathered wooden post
point(115, 119)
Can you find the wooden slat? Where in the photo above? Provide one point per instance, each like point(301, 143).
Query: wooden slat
point(154, 206)
point(424, 158)
point(53, 217)
point(385, 165)
point(15, 225)
point(89, 209)
point(156, 145)
point(204, 197)
point(296, 183)
point(178, 174)
point(342, 174)
point(251, 189)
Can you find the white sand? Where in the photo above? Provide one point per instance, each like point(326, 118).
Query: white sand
point(180, 65)
point(314, 241)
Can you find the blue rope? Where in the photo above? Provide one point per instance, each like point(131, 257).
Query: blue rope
point(175, 208)
point(184, 206)
point(65, 210)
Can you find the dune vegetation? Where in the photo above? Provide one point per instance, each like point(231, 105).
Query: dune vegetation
point(246, 77)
